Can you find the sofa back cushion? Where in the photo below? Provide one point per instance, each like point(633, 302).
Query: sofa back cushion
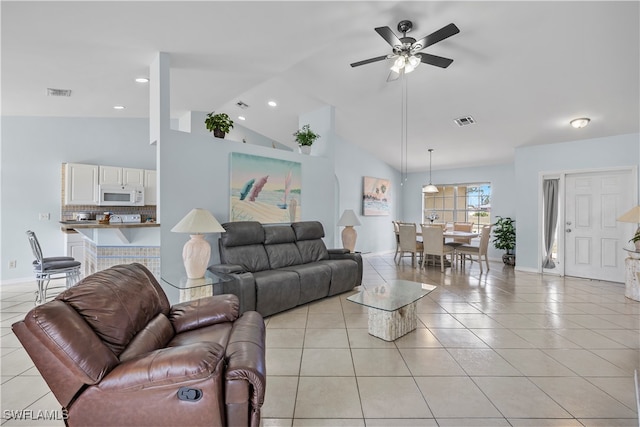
point(243, 244)
point(279, 242)
point(117, 303)
point(309, 236)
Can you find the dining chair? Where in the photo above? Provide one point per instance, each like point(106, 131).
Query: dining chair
point(48, 268)
point(480, 250)
point(396, 231)
point(456, 242)
point(408, 242)
point(433, 240)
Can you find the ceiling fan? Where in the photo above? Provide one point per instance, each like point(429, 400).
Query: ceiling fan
point(405, 49)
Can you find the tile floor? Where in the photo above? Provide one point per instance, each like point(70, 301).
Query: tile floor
point(500, 349)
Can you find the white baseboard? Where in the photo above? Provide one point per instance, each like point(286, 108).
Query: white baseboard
point(526, 269)
point(18, 281)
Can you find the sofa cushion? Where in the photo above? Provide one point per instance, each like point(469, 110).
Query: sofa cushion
point(279, 244)
point(312, 250)
point(276, 290)
point(315, 279)
point(344, 275)
point(117, 303)
point(308, 230)
point(242, 233)
point(251, 257)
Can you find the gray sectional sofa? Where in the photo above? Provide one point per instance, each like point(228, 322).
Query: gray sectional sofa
point(278, 267)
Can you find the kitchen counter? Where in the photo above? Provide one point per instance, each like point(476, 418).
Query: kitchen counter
point(76, 225)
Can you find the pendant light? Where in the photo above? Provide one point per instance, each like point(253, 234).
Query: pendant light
point(430, 188)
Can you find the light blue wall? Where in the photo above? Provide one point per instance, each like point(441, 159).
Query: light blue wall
point(33, 150)
point(530, 162)
point(503, 191)
point(352, 165)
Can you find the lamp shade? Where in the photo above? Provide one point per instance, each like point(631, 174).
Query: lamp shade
point(631, 216)
point(198, 221)
point(348, 218)
point(430, 189)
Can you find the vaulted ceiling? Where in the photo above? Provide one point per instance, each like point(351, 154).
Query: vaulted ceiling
point(522, 70)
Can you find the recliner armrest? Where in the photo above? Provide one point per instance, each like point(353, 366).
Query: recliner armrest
point(227, 268)
point(171, 365)
point(338, 251)
point(203, 312)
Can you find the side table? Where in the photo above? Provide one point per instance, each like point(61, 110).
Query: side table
point(632, 275)
point(191, 289)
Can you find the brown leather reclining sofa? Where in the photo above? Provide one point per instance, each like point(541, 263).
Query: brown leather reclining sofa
point(115, 353)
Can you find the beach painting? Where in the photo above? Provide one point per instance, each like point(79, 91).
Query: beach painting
point(264, 189)
point(376, 196)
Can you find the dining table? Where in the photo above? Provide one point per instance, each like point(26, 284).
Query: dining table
point(451, 234)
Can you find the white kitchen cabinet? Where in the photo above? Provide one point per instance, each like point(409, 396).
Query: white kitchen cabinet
point(150, 187)
point(110, 175)
point(131, 176)
point(115, 175)
point(81, 184)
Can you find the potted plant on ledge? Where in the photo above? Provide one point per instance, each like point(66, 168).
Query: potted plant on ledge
point(219, 124)
point(305, 138)
point(505, 238)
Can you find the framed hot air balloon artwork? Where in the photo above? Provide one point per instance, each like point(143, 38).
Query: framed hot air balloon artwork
point(265, 189)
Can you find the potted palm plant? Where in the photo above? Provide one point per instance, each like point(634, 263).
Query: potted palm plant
point(505, 238)
point(219, 124)
point(305, 138)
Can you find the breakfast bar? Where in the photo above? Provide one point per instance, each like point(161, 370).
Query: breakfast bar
point(116, 243)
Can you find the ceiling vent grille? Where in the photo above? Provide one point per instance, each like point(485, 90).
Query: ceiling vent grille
point(242, 105)
point(465, 121)
point(58, 92)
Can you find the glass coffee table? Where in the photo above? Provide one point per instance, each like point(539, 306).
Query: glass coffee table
point(392, 307)
point(191, 289)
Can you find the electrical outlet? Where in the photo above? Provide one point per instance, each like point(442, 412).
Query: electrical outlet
point(12, 263)
point(44, 216)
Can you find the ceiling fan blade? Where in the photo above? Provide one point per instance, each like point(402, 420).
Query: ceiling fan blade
point(370, 60)
point(438, 61)
point(389, 36)
point(435, 37)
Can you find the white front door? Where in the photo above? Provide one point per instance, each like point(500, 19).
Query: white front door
point(594, 240)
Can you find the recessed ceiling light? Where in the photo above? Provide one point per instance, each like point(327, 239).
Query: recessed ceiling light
point(580, 123)
point(272, 103)
point(142, 80)
point(118, 107)
point(242, 118)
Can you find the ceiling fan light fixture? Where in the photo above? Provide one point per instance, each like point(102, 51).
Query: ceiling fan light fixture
point(398, 64)
point(414, 61)
point(580, 123)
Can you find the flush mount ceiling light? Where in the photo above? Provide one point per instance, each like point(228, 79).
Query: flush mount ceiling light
point(580, 123)
point(272, 103)
point(242, 118)
point(430, 188)
point(142, 80)
point(118, 107)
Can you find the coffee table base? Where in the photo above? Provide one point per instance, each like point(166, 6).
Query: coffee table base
point(391, 325)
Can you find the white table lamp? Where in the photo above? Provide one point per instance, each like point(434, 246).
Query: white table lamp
point(197, 250)
point(633, 216)
point(349, 235)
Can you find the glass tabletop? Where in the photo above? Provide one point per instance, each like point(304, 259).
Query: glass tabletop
point(179, 280)
point(392, 295)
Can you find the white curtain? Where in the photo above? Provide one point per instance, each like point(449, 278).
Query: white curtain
point(550, 206)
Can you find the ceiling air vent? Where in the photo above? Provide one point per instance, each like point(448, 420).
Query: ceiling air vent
point(464, 121)
point(242, 105)
point(58, 92)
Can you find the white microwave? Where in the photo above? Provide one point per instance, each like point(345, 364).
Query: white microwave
point(121, 195)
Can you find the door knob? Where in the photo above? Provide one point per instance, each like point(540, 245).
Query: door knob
point(568, 230)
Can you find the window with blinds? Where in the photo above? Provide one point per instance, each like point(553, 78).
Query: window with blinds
point(459, 203)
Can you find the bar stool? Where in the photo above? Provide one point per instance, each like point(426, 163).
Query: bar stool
point(50, 268)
